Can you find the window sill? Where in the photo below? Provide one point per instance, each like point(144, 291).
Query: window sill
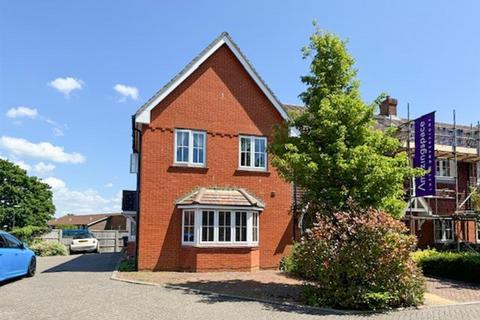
point(251, 172)
point(443, 179)
point(221, 245)
point(187, 168)
point(444, 241)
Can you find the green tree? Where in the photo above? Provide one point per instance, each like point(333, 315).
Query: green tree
point(338, 155)
point(24, 200)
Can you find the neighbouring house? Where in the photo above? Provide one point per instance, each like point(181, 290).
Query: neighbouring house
point(448, 218)
point(94, 222)
point(208, 197)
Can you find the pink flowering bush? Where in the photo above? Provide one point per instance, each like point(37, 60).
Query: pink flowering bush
point(357, 259)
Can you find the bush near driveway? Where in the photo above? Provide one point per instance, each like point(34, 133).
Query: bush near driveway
point(357, 259)
point(464, 266)
point(49, 248)
point(29, 233)
point(126, 266)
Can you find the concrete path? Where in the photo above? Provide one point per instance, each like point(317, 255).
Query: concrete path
point(79, 287)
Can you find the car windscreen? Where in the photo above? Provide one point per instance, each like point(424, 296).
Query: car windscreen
point(85, 235)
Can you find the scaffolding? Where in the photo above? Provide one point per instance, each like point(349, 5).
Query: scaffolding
point(454, 144)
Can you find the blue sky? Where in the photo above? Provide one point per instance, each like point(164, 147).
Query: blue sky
point(62, 61)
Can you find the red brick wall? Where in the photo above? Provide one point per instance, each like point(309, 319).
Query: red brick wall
point(222, 99)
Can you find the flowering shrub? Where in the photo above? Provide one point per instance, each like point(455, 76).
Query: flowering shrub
point(359, 259)
point(49, 248)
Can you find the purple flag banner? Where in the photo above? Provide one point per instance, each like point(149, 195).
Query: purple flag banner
point(425, 155)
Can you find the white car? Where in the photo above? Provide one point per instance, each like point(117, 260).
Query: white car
point(84, 242)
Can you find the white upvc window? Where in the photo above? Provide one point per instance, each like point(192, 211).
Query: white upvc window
point(478, 232)
point(220, 227)
point(253, 153)
point(188, 227)
point(443, 230)
point(190, 147)
point(444, 168)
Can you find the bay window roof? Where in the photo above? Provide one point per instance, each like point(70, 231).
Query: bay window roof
point(227, 197)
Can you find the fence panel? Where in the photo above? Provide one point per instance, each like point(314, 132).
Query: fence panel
point(54, 235)
point(110, 240)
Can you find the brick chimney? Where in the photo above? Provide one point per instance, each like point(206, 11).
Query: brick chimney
point(388, 107)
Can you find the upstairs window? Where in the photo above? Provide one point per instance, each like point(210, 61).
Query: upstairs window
point(253, 152)
point(190, 147)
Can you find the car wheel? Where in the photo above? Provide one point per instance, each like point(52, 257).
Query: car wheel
point(32, 267)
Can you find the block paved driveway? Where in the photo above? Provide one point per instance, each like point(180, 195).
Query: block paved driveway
point(79, 287)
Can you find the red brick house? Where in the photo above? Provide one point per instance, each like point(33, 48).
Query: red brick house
point(448, 218)
point(208, 198)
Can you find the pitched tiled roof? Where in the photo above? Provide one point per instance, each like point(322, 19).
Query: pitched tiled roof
point(221, 197)
point(83, 220)
point(225, 37)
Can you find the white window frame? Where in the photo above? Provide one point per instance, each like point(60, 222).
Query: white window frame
point(252, 153)
point(443, 164)
point(443, 229)
point(478, 231)
point(183, 226)
point(190, 148)
point(198, 242)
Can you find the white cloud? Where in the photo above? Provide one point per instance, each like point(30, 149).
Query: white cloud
point(78, 202)
point(41, 150)
point(55, 183)
point(22, 164)
point(67, 85)
point(22, 112)
point(109, 185)
point(32, 113)
point(126, 92)
point(43, 168)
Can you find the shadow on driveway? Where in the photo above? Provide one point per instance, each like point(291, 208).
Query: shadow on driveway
point(104, 262)
point(271, 295)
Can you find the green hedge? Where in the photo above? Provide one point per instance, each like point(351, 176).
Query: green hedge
point(464, 266)
point(29, 233)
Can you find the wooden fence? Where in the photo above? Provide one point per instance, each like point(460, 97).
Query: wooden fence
point(110, 240)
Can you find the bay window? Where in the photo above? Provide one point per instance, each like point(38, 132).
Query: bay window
point(188, 225)
point(208, 226)
point(190, 147)
point(240, 226)
point(222, 227)
point(253, 152)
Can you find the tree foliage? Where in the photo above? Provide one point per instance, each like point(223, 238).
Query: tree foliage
point(24, 200)
point(338, 154)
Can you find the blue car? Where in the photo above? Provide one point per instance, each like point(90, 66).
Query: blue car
point(16, 260)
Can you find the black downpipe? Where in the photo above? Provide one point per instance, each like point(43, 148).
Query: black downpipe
point(139, 151)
